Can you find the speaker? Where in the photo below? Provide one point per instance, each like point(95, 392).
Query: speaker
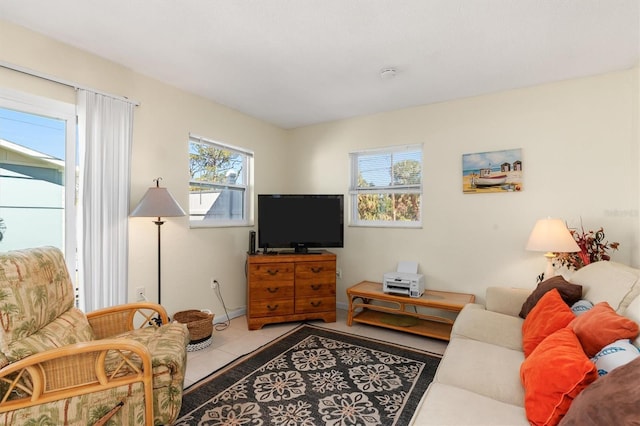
point(252, 242)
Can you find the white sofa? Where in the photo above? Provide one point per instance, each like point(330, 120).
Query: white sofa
point(478, 379)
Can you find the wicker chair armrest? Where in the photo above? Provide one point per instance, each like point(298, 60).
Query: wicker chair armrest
point(108, 322)
point(75, 370)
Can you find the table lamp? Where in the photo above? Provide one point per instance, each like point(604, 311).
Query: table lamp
point(158, 202)
point(551, 236)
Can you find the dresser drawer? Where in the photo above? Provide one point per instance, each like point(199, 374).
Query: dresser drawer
point(271, 290)
point(271, 308)
point(271, 272)
point(316, 272)
point(315, 304)
point(315, 289)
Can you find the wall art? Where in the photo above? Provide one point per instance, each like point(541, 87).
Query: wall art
point(495, 171)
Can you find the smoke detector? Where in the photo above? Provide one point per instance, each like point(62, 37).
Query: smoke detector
point(387, 73)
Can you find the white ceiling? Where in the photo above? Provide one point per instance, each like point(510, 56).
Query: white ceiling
point(299, 62)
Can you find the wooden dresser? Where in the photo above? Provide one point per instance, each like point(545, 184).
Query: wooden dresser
point(290, 287)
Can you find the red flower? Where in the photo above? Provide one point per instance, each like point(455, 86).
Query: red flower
point(593, 248)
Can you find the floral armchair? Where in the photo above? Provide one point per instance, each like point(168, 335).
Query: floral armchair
point(113, 366)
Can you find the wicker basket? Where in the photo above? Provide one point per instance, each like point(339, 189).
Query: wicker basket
point(200, 325)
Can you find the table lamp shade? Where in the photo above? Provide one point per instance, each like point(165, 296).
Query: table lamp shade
point(158, 202)
point(551, 235)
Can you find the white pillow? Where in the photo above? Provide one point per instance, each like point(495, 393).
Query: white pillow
point(615, 355)
point(607, 281)
point(581, 306)
point(633, 313)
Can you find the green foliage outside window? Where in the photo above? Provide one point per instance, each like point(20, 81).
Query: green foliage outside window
point(211, 164)
point(393, 206)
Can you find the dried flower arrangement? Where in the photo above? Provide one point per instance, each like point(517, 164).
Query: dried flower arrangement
point(593, 247)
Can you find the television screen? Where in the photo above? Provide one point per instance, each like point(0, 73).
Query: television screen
point(300, 221)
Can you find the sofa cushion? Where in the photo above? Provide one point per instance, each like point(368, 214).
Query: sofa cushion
point(82, 410)
point(611, 400)
point(553, 375)
point(36, 289)
point(487, 326)
point(600, 326)
point(166, 345)
point(610, 282)
point(570, 293)
point(550, 314)
point(69, 328)
point(441, 405)
point(506, 300)
point(483, 368)
point(633, 313)
point(169, 359)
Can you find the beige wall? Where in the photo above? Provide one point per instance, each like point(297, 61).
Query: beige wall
point(579, 140)
point(580, 153)
point(162, 122)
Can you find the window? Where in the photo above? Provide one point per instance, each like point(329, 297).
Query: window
point(220, 182)
point(386, 187)
point(37, 174)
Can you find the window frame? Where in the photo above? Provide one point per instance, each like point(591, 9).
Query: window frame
point(354, 190)
point(248, 187)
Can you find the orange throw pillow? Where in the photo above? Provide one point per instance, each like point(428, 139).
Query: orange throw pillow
point(601, 326)
point(549, 315)
point(555, 373)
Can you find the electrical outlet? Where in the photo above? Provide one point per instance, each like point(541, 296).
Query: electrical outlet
point(214, 283)
point(140, 296)
point(339, 273)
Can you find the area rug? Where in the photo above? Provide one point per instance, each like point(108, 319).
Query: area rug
point(314, 376)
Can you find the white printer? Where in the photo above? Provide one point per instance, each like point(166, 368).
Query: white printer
point(405, 281)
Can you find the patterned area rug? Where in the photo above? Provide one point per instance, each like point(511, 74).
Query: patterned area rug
point(314, 376)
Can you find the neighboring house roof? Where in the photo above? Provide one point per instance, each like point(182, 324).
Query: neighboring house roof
point(32, 163)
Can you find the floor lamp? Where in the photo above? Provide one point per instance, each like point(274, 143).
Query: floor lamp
point(158, 202)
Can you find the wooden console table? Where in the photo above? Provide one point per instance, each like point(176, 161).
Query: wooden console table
point(390, 305)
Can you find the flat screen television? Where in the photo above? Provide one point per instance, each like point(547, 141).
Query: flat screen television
point(300, 221)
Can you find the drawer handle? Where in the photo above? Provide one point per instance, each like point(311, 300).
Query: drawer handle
point(272, 271)
point(273, 290)
point(316, 304)
point(272, 308)
point(316, 270)
point(316, 287)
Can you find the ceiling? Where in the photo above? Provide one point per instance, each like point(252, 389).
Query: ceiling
point(299, 62)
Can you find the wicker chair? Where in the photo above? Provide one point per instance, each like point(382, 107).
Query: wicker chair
point(60, 366)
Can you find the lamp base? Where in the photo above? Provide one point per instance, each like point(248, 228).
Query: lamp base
point(550, 271)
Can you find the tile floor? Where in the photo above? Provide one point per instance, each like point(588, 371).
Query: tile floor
point(237, 340)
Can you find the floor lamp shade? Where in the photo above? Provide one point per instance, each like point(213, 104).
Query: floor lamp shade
point(158, 202)
point(551, 236)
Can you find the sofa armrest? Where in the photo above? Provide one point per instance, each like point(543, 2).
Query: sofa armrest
point(75, 370)
point(506, 300)
point(115, 320)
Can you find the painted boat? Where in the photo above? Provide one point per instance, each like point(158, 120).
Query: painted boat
point(490, 180)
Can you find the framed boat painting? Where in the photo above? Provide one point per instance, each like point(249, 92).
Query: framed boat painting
point(495, 171)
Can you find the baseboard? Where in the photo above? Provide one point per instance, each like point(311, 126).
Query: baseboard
point(230, 315)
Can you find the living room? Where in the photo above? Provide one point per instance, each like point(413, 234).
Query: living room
point(579, 141)
point(579, 138)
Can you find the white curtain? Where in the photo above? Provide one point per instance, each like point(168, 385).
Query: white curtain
point(105, 128)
